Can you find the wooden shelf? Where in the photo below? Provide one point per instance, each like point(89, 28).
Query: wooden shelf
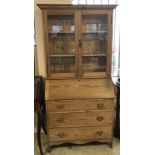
point(85, 32)
point(96, 54)
point(67, 32)
point(62, 55)
point(92, 68)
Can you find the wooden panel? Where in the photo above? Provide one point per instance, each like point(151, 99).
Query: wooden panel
point(80, 133)
point(79, 119)
point(79, 105)
point(76, 89)
point(46, 42)
point(77, 30)
point(79, 82)
point(109, 54)
point(79, 21)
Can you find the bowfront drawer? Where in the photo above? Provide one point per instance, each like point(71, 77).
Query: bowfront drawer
point(79, 118)
point(80, 133)
point(79, 105)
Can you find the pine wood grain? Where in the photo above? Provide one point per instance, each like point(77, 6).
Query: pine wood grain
point(74, 119)
point(78, 89)
point(79, 105)
point(80, 133)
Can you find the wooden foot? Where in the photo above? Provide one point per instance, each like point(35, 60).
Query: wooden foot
point(110, 144)
point(48, 149)
point(70, 147)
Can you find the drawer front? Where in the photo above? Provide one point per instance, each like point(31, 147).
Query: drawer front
point(79, 105)
point(80, 133)
point(79, 118)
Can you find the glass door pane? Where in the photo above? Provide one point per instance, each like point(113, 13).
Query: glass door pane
point(61, 36)
point(94, 43)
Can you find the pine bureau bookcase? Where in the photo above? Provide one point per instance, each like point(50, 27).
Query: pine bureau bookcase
point(79, 94)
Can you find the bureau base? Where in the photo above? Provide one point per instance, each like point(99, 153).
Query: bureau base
point(79, 112)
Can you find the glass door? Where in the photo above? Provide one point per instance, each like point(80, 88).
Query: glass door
point(61, 46)
point(94, 45)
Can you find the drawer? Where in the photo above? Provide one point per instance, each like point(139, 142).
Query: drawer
point(79, 105)
point(80, 133)
point(79, 118)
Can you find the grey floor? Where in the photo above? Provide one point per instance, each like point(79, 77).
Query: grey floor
point(89, 149)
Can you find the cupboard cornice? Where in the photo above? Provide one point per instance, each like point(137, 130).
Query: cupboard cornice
point(70, 6)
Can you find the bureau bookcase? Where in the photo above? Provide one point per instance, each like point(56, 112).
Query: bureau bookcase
point(79, 94)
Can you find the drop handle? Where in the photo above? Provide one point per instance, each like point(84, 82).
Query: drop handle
point(80, 44)
point(99, 133)
point(60, 120)
point(99, 118)
point(61, 135)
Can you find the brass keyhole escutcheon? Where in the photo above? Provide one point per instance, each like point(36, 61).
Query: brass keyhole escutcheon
point(100, 106)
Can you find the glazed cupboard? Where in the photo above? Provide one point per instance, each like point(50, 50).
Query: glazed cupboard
point(78, 40)
point(78, 90)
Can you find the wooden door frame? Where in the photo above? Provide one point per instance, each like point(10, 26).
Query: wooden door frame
point(47, 12)
point(107, 74)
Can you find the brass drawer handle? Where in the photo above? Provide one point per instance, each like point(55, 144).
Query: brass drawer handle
point(99, 118)
point(100, 106)
point(60, 120)
point(60, 106)
point(61, 135)
point(99, 133)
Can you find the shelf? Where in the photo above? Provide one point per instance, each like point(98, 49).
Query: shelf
point(85, 32)
point(91, 55)
point(62, 55)
point(92, 68)
point(67, 32)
